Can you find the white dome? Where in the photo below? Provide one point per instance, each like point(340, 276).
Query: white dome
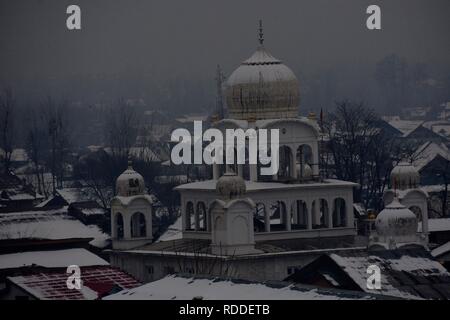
point(130, 183)
point(230, 186)
point(262, 87)
point(404, 176)
point(396, 221)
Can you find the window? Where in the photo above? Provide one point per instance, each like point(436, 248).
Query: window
point(169, 270)
point(292, 269)
point(150, 270)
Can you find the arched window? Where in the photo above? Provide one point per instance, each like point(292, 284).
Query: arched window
point(138, 227)
point(278, 216)
point(417, 211)
point(190, 216)
point(339, 213)
point(300, 216)
point(119, 225)
point(201, 216)
point(303, 157)
point(259, 219)
point(285, 163)
point(320, 214)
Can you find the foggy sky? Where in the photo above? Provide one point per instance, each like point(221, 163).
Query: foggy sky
point(188, 38)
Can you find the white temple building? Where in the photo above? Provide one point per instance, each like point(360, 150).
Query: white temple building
point(263, 93)
point(242, 223)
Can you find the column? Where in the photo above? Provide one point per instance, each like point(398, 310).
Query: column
point(196, 218)
point(330, 208)
point(216, 171)
point(148, 224)
point(309, 210)
point(266, 218)
point(288, 215)
point(126, 226)
point(293, 162)
point(240, 169)
point(113, 225)
point(253, 172)
point(315, 155)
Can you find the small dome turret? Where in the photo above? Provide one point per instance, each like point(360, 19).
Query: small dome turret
point(230, 186)
point(130, 183)
point(405, 176)
point(396, 221)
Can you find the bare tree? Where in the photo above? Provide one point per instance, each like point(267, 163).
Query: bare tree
point(361, 152)
point(7, 132)
point(37, 148)
point(56, 119)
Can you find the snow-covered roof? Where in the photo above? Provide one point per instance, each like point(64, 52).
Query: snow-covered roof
point(51, 259)
point(177, 287)
point(50, 224)
point(397, 269)
point(258, 186)
point(174, 232)
point(19, 155)
point(97, 281)
point(428, 151)
point(72, 195)
point(405, 126)
point(437, 225)
point(445, 248)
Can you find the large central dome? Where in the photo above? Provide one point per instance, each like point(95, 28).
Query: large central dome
point(262, 87)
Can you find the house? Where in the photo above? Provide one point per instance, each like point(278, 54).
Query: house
point(405, 273)
point(88, 212)
point(438, 229)
point(442, 254)
point(432, 158)
point(54, 224)
point(186, 287)
point(42, 275)
point(415, 131)
point(15, 194)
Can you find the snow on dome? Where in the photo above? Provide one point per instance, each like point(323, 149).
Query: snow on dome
point(130, 183)
point(405, 176)
point(230, 186)
point(396, 223)
point(262, 87)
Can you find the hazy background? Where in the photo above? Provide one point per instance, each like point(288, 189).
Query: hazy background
point(164, 52)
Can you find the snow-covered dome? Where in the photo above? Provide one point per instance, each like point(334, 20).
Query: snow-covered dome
point(262, 87)
point(396, 221)
point(404, 176)
point(130, 183)
point(230, 186)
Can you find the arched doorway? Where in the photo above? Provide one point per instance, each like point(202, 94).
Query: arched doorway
point(119, 226)
point(190, 216)
point(138, 226)
point(339, 213)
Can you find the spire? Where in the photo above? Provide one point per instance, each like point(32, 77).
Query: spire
point(261, 33)
point(130, 162)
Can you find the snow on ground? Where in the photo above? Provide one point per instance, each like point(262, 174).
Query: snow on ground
point(50, 224)
point(51, 259)
point(175, 287)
